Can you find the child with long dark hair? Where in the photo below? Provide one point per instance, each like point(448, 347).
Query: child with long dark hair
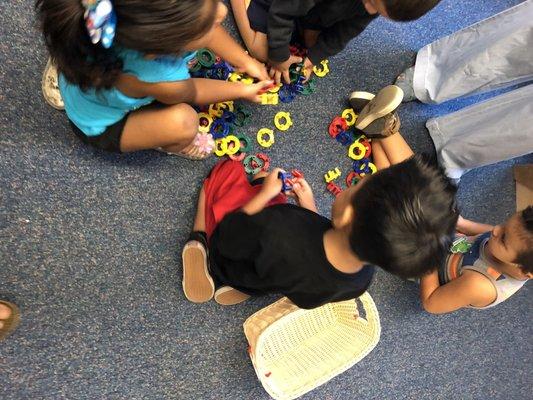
point(123, 70)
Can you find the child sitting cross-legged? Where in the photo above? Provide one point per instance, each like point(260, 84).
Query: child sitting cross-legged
point(123, 71)
point(247, 241)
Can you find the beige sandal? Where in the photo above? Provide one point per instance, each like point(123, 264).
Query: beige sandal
point(50, 86)
point(358, 100)
point(11, 323)
point(228, 296)
point(198, 286)
point(385, 102)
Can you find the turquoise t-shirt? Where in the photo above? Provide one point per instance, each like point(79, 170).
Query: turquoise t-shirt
point(93, 111)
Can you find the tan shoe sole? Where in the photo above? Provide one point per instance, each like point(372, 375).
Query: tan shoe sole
point(198, 286)
point(227, 296)
point(386, 101)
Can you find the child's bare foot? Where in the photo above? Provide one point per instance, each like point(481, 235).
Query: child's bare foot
point(228, 296)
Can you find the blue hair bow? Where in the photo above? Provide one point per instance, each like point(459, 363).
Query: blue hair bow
point(100, 21)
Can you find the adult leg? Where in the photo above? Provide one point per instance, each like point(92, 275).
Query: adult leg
point(494, 130)
point(256, 42)
point(171, 128)
point(490, 54)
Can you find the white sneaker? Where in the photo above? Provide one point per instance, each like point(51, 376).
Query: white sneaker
point(50, 86)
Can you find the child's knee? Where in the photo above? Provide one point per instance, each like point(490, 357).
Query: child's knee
point(184, 120)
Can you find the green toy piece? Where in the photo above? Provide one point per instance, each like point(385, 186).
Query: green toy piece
point(309, 87)
point(205, 57)
point(245, 143)
point(460, 245)
point(195, 67)
point(242, 115)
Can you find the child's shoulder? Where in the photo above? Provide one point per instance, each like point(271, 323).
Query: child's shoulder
point(154, 69)
point(480, 288)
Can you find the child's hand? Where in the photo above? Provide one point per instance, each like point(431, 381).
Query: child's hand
point(304, 194)
point(307, 69)
point(272, 184)
point(253, 92)
point(255, 69)
point(278, 70)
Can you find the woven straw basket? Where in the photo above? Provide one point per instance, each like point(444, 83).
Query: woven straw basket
point(294, 350)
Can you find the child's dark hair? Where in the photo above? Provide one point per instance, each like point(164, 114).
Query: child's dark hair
point(525, 257)
point(408, 10)
point(405, 218)
point(159, 27)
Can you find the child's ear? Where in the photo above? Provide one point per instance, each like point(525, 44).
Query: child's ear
point(345, 218)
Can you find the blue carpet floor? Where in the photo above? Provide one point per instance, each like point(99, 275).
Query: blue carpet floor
point(90, 246)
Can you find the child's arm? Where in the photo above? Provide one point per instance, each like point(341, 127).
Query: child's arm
point(471, 288)
point(227, 48)
point(304, 195)
point(471, 228)
point(333, 40)
point(281, 17)
point(271, 188)
point(192, 91)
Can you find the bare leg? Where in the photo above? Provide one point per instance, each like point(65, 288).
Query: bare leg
point(394, 148)
point(199, 219)
point(256, 42)
point(379, 157)
point(172, 127)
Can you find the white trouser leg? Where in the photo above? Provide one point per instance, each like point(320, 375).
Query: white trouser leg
point(494, 130)
point(493, 53)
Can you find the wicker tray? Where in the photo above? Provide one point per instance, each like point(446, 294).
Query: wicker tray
point(294, 351)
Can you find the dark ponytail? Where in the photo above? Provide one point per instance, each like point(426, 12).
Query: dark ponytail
point(160, 27)
point(66, 38)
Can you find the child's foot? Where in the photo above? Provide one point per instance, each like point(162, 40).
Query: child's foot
point(50, 86)
point(358, 100)
point(201, 148)
point(378, 119)
point(198, 285)
point(9, 318)
point(405, 82)
point(228, 296)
